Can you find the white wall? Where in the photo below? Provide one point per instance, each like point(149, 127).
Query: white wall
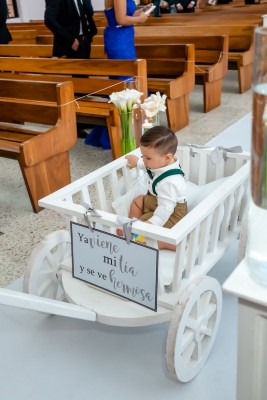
point(34, 9)
point(98, 4)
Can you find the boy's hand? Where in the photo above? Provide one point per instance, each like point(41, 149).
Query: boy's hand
point(132, 160)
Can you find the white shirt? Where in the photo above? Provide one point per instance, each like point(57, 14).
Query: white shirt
point(81, 28)
point(170, 191)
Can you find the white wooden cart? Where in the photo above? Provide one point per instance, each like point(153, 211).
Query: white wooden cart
point(189, 299)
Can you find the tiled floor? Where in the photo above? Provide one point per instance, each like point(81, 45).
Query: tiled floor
point(21, 229)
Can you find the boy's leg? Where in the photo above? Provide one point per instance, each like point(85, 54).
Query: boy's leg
point(136, 211)
point(179, 212)
point(136, 208)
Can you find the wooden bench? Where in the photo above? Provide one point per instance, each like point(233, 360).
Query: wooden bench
point(25, 50)
point(258, 9)
point(170, 70)
point(44, 39)
point(92, 109)
point(240, 30)
point(211, 60)
point(214, 16)
point(176, 80)
point(40, 28)
point(23, 36)
point(240, 51)
point(42, 152)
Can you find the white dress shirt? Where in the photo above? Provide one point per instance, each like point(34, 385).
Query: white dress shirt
point(170, 191)
point(81, 27)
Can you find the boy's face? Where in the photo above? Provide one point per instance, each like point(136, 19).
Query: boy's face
point(153, 159)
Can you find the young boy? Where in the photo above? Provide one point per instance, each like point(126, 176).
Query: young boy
point(165, 201)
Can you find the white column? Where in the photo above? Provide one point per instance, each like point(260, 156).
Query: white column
point(252, 334)
point(98, 5)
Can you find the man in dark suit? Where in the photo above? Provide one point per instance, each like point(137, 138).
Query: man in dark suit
point(185, 6)
point(72, 24)
point(5, 35)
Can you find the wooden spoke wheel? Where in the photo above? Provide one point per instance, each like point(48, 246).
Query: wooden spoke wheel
point(193, 328)
point(42, 277)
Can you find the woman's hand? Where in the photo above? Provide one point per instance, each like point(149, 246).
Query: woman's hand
point(142, 17)
point(147, 7)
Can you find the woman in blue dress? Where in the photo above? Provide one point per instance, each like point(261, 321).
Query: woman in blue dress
point(121, 16)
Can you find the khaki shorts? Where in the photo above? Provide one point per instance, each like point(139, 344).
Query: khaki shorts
point(150, 204)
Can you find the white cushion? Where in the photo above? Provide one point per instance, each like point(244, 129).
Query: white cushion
point(197, 193)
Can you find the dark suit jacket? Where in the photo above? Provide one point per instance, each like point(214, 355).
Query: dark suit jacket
point(62, 18)
point(185, 3)
point(5, 35)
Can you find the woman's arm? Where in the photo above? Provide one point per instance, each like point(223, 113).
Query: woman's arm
point(122, 18)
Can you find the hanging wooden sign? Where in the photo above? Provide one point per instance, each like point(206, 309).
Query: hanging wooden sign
point(107, 261)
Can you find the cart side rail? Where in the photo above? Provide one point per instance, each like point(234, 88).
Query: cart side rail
point(201, 237)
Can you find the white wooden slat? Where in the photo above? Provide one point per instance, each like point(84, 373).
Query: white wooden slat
point(185, 163)
point(244, 201)
point(202, 172)
point(228, 207)
point(114, 183)
point(219, 167)
point(204, 239)
point(69, 199)
point(85, 197)
point(179, 265)
point(239, 163)
point(127, 178)
point(161, 288)
point(101, 195)
point(192, 251)
point(215, 230)
point(236, 208)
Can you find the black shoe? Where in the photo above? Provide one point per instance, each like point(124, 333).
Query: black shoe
point(81, 133)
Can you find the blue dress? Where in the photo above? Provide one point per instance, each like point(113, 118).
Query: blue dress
point(119, 45)
point(119, 41)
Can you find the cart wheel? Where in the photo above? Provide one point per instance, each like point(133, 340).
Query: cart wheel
point(193, 328)
point(41, 277)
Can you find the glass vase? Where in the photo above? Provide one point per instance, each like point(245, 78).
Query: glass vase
point(149, 122)
point(128, 142)
point(256, 249)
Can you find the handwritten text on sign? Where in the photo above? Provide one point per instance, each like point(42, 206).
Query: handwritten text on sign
point(107, 261)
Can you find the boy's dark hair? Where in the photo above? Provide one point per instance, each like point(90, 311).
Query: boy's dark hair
point(161, 138)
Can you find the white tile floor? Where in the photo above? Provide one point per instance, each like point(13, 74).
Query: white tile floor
point(56, 358)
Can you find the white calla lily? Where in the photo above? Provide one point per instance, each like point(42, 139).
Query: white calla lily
point(126, 100)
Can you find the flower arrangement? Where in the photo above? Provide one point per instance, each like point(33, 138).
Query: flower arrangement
point(126, 101)
point(152, 106)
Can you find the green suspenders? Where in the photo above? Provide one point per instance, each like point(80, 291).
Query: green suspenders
point(165, 175)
